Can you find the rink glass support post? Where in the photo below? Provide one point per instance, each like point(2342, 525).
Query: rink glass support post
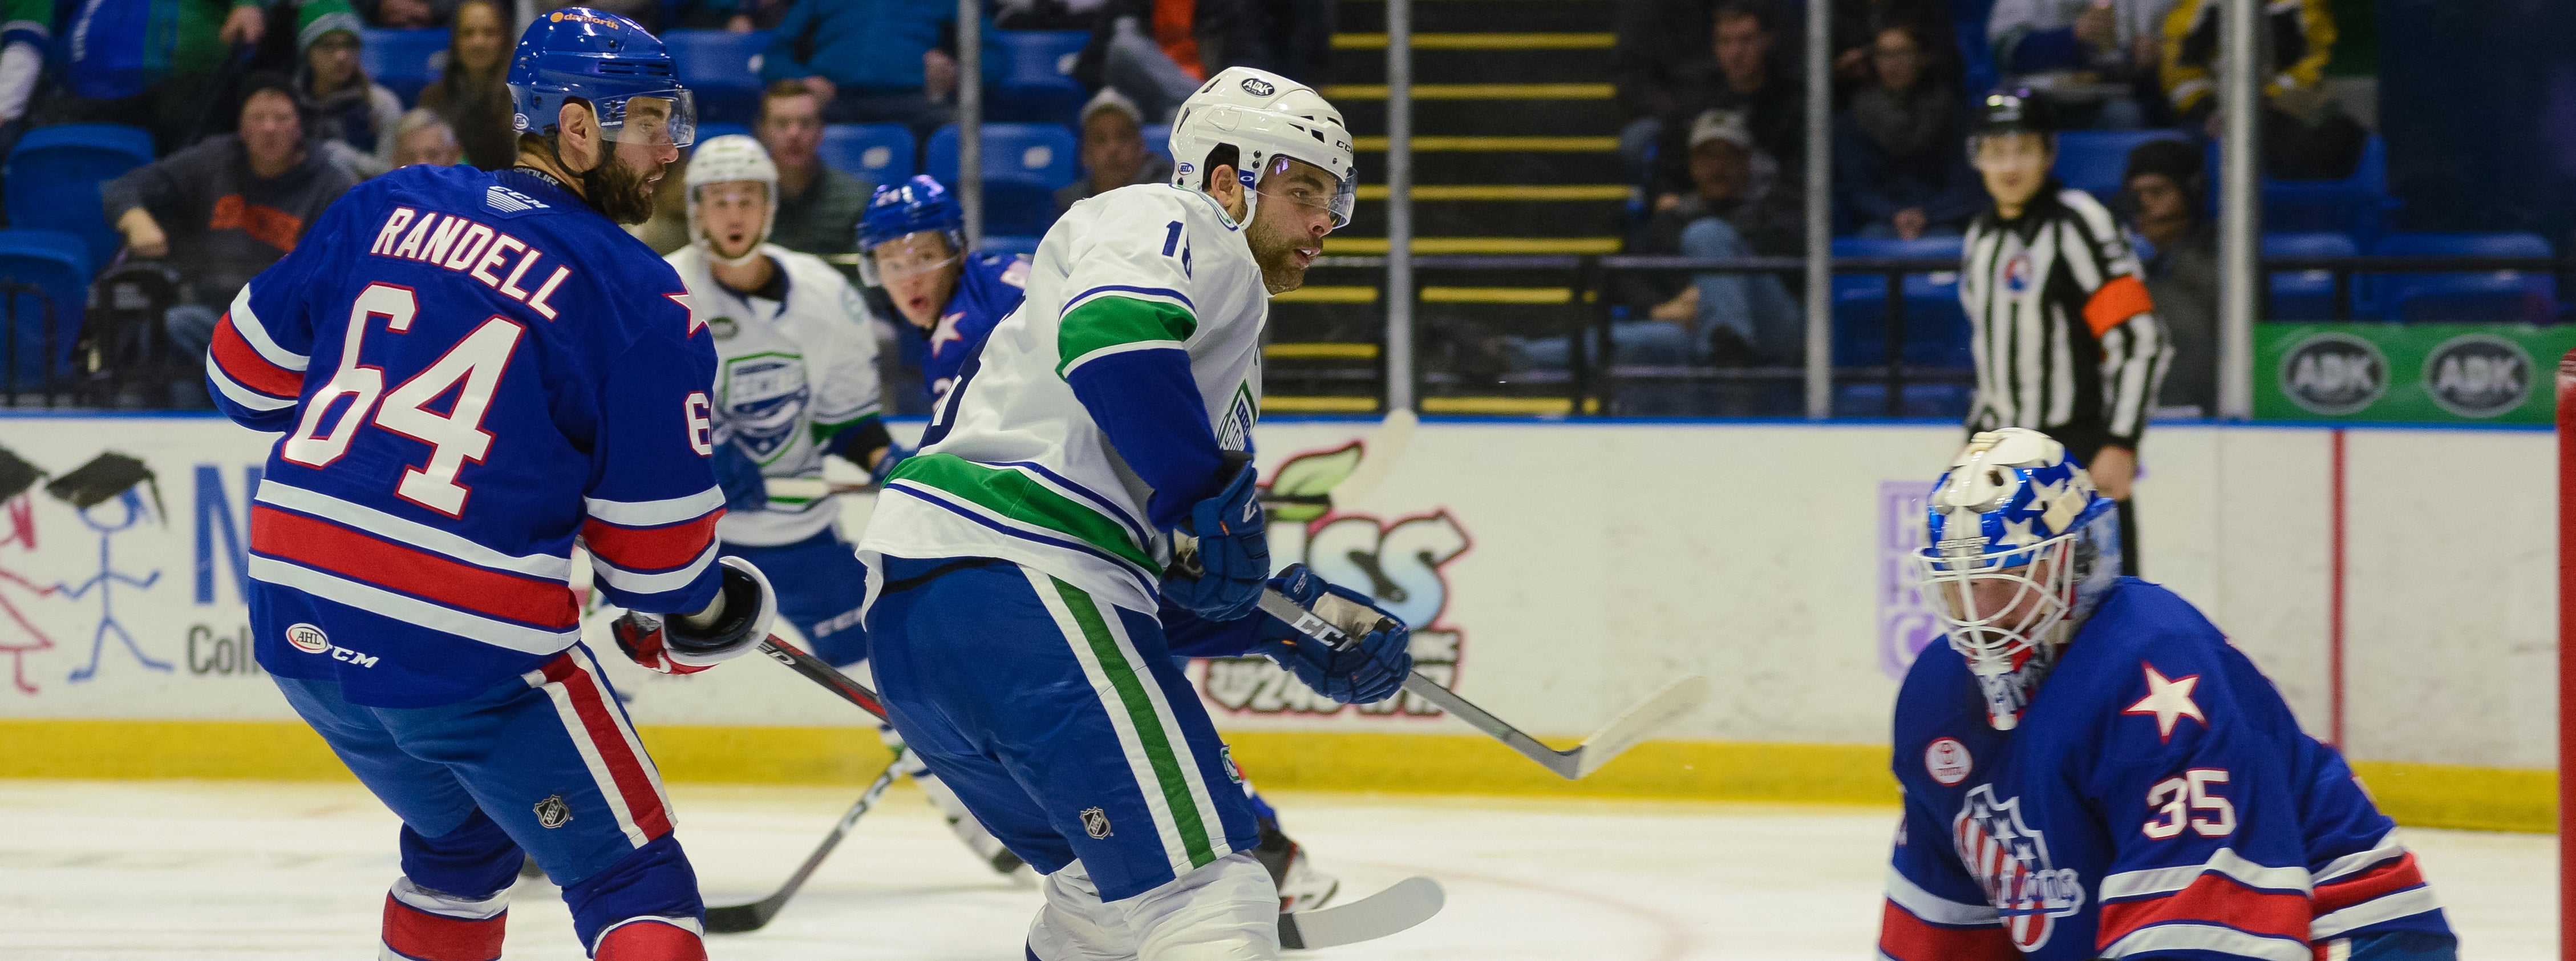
point(970, 121)
point(2566, 663)
point(1400, 374)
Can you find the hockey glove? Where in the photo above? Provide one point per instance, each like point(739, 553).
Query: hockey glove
point(1233, 555)
point(1366, 672)
point(894, 455)
point(671, 646)
point(739, 477)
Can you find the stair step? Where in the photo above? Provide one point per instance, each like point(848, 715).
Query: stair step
point(1471, 218)
point(1532, 64)
point(1337, 245)
point(1474, 91)
point(1516, 118)
point(1482, 41)
point(1452, 144)
point(1509, 192)
point(1471, 16)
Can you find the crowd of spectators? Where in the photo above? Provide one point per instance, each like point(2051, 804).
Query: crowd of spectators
point(1712, 99)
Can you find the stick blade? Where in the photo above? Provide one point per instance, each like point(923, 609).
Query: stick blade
point(1639, 722)
point(1407, 903)
point(741, 918)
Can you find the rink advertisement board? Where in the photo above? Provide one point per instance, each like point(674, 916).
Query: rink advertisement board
point(1554, 571)
point(2420, 373)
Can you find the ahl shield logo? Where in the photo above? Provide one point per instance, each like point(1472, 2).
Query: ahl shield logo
point(1095, 822)
point(2334, 374)
point(552, 812)
point(2010, 860)
point(2478, 375)
point(764, 397)
point(308, 638)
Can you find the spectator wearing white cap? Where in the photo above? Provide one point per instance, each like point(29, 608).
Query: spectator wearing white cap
point(1114, 153)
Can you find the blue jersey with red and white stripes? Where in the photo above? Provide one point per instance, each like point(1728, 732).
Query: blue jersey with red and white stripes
point(472, 371)
point(2158, 800)
point(989, 287)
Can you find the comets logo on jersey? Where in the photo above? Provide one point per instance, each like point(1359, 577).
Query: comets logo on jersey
point(763, 396)
point(2010, 860)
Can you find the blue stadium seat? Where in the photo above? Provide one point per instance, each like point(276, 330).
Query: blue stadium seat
point(1010, 245)
point(1158, 139)
point(403, 60)
point(2306, 295)
point(722, 69)
point(2490, 296)
point(1024, 165)
point(2093, 160)
point(1936, 328)
point(53, 176)
point(2358, 205)
point(58, 264)
point(877, 152)
point(1039, 87)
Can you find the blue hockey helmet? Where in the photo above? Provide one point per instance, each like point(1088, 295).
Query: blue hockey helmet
point(608, 61)
point(2020, 546)
point(903, 209)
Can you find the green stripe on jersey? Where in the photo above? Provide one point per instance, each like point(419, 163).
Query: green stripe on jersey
point(1151, 731)
point(1112, 321)
point(1021, 498)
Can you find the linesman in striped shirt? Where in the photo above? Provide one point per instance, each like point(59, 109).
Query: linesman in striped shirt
point(2065, 337)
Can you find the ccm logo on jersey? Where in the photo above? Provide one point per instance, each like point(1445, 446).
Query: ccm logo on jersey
point(470, 248)
point(311, 640)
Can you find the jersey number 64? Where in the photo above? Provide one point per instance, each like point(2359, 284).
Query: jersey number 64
point(454, 437)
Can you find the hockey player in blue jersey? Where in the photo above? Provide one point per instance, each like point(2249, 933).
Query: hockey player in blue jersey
point(912, 240)
point(474, 372)
point(2092, 771)
point(1027, 595)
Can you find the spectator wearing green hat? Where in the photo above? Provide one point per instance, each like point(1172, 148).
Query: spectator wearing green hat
point(347, 107)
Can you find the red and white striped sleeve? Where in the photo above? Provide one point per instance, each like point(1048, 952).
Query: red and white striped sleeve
point(648, 555)
point(2369, 888)
point(652, 500)
point(2227, 906)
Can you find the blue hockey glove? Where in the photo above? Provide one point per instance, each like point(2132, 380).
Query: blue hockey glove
point(1233, 554)
point(739, 477)
point(894, 454)
point(1366, 672)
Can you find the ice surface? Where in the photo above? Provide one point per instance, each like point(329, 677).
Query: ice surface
point(166, 870)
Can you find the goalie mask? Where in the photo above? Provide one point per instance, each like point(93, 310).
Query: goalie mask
point(731, 159)
point(1263, 116)
point(2021, 548)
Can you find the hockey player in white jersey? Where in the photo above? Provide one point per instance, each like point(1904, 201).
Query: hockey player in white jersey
point(1026, 598)
point(796, 380)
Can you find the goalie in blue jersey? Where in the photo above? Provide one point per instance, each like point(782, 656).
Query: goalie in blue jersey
point(2159, 801)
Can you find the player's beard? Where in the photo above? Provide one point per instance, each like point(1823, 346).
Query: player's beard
point(1276, 251)
point(618, 191)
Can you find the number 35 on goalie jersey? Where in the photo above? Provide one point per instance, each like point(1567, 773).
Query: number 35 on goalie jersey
point(471, 371)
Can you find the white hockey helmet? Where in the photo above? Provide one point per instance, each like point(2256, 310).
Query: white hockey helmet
point(1264, 116)
point(726, 159)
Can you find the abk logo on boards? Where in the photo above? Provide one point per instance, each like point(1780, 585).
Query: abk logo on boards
point(2478, 375)
point(2334, 374)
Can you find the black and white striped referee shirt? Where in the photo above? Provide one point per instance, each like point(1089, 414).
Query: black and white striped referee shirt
point(2065, 337)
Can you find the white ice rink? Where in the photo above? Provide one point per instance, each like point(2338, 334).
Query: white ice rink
point(169, 870)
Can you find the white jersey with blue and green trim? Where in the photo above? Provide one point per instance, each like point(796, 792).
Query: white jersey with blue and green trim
point(1017, 468)
point(789, 374)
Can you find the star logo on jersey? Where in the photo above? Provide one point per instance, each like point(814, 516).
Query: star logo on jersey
point(692, 308)
point(945, 332)
point(2169, 701)
point(2010, 861)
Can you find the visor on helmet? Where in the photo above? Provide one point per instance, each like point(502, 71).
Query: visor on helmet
point(656, 118)
point(893, 259)
point(1345, 191)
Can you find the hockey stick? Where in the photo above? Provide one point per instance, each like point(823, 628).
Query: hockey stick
point(742, 918)
point(1408, 903)
point(816, 488)
point(1623, 732)
point(1378, 457)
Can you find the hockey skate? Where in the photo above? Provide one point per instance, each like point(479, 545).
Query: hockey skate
point(1301, 887)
